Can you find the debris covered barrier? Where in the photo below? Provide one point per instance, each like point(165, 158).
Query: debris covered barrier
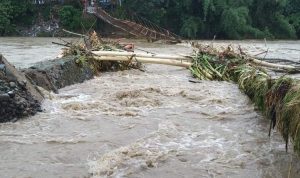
point(277, 97)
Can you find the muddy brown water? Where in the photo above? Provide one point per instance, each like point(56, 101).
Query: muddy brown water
point(141, 124)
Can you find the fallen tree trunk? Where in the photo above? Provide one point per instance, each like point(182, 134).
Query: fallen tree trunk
point(145, 60)
point(271, 65)
point(73, 33)
point(168, 59)
point(129, 54)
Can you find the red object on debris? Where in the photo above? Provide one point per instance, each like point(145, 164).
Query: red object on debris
point(129, 47)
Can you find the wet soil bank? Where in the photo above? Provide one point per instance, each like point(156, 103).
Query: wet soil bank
point(20, 91)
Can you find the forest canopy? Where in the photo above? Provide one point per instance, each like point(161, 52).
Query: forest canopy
point(201, 19)
point(225, 19)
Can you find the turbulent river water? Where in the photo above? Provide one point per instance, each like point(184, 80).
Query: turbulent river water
point(143, 124)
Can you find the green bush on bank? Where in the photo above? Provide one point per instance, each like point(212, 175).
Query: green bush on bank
point(74, 19)
point(13, 12)
point(70, 17)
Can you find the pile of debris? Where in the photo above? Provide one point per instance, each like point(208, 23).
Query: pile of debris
point(278, 97)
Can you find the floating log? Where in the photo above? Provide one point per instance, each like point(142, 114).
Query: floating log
point(130, 54)
point(271, 65)
point(73, 33)
point(145, 60)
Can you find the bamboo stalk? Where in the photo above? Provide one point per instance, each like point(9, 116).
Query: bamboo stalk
point(271, 65)
point(73, 33)
point(129, 54)
point(145, 60)
point(66, 45)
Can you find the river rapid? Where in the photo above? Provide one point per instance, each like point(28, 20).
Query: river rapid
point(152, 123)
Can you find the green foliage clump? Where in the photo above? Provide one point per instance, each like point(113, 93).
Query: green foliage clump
point(73, 18)
point(5, 17)
point(284, 29)
point(191, 27)
point(70, 17)
point(13, 12)
point(294, 20)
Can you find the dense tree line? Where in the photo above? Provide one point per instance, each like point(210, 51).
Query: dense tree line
point(11, 13)
point(230, 19)
point(16, 13)
point(223, 19)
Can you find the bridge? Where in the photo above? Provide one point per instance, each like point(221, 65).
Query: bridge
point(143, 29)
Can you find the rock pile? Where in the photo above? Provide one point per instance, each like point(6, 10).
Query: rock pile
point(18, 98)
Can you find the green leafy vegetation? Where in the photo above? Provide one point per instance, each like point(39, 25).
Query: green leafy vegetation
point(225, 19)
point(24, 13)
point(13, 12)
point(73, 18)
point(70, 17)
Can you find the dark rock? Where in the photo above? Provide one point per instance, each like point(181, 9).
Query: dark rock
point(12, 84)
point(23, 83)
point(3, 68)
point(11, 94)
point(16, 95)
point(4, 97)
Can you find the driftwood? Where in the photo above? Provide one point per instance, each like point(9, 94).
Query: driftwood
point(73, 33)
point(183, 61)
point(175, 60)
point(279, 60)
point(152, 60)
point(271, 65)
point(66, 45)
point(129, 54)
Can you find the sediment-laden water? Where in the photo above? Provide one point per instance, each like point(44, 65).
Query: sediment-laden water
point(141, 124)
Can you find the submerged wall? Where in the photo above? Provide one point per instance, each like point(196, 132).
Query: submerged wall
point(55, 74)
point(59, 73)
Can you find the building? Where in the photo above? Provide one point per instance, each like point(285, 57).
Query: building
point(103, 3)
point(107, 3)
point(40, 2)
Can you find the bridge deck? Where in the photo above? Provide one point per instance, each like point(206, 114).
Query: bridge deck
point(138, 30)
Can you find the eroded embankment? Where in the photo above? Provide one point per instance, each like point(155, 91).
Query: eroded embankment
point(21, 91)
point(18, 97)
